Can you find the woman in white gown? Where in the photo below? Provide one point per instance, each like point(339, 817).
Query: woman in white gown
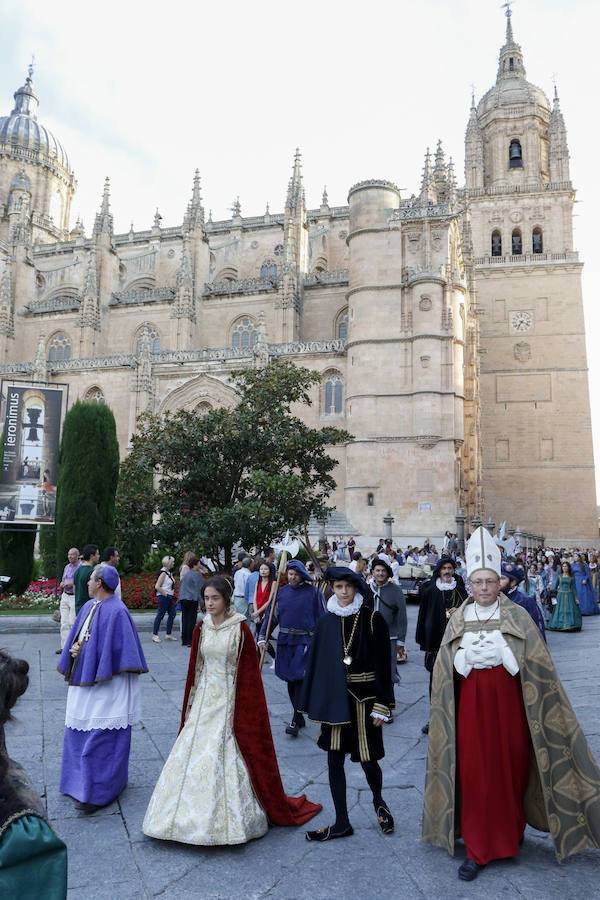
point(221, 783)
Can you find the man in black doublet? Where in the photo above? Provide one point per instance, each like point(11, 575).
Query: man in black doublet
point(348, 689)
point(439, 596)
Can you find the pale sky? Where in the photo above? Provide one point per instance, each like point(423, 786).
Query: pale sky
point(148, 92)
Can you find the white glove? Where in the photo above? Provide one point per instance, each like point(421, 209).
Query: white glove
point(483, 653)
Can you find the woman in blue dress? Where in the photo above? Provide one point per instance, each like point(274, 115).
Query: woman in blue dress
point(566, 615)
point(583, 585)
point(595, 576)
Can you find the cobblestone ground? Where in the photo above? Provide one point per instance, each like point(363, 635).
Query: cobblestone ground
point(110, 858)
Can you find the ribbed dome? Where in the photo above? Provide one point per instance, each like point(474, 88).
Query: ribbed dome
point(515, 91)
point(22, 129)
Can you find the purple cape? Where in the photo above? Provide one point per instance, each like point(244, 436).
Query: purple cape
point(113, 647)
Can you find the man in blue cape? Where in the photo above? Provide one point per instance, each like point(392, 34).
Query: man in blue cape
point(300, 604)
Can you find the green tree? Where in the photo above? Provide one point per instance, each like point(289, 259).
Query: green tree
point(246, 473)
point(134, 510)
point(16, 549)
point(50, 567)
point(87, 478)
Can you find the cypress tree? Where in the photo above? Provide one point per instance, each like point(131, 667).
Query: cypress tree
point(50, 567)
point(87, 478)
point(16, 549)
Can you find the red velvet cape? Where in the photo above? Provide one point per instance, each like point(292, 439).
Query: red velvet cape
point(252, 731)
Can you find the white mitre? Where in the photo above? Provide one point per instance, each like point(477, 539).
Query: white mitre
point(482, 552)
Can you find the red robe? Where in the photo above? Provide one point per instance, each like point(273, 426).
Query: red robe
point(252, 731)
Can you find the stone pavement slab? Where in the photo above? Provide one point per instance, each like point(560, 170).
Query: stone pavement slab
point(111, 859)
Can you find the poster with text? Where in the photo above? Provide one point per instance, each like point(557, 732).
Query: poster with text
point(30, 444)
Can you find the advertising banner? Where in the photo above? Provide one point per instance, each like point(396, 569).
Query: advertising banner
point(30, 438)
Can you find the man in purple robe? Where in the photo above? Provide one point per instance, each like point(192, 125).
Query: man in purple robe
point(101, 660)
point(509, 584)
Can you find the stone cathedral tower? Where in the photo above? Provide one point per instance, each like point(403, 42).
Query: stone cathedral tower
point(535, 412)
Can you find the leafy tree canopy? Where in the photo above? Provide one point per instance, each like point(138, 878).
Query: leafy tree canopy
point(246, 473)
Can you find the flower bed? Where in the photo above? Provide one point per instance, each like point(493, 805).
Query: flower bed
point(138, 591)
point(30, 600)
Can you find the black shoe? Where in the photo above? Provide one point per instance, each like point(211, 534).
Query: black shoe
point(385, 818)
point(327, 834)
point(469, 870)
point(300, 720)
point(86, 807)
point(292, 729)
point(425, 728)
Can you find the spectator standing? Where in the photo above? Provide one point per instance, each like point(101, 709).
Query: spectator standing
point(240, 578)
point(67, 599)
point(111, 556)
point(165, 596)
point(190, 587)
point(389, 601)
point(89, 558)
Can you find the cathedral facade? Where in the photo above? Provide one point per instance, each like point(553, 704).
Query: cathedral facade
point(447, 327)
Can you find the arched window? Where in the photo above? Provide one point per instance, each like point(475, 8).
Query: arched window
point(94, 395)
point(243, 334)
point(59, 347)
point(333, 394)
point(229, 273)
point(203, 408)
point(517, 242)
point(515, 155)
point(268, 270)
point(496, 243)
point(537, 240)
point(341, 326)
point(149, 329)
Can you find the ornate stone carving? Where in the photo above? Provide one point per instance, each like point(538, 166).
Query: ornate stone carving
point(141, 296)
point(522, 351)
point(425, 303)
point(244, 286)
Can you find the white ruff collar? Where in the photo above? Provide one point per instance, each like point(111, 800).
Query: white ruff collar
point(445, 585)
point(334, 607)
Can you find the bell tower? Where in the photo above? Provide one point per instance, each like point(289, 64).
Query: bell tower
point(538, 469)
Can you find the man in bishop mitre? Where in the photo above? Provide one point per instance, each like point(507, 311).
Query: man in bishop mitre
point(505, 747)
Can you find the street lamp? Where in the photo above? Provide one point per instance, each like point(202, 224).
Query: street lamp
point(388, 521)
point(460, 529)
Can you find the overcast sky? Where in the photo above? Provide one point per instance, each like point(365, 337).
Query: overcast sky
point(148, 92)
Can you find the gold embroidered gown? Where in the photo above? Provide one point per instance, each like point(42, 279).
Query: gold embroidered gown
point(203, 795)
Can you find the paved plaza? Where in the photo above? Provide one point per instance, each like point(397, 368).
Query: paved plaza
point(110, 859)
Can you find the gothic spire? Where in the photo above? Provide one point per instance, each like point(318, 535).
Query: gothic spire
point(511, 57)
point(295, 194)
point(196, 210)
point(439, 169)
point(104, 221)
point(89, 311)
point(427, 183)
point(558, 154)
point(184, 306)
point(236, 209)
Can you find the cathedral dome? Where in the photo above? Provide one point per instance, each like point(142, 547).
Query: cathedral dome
point(21, 131)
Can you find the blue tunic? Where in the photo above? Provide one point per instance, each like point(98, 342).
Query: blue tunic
point(530, 604)
point(588, 604)
point(298, 609)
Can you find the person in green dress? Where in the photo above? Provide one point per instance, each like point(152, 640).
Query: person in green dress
point(566, 615)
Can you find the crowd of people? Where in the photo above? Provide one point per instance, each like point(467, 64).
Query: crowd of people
point(505, 748)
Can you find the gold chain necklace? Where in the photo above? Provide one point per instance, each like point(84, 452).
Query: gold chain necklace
point(347, 660)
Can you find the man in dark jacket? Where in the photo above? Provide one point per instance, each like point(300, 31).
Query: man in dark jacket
point(388, 599)
point(439, 596)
